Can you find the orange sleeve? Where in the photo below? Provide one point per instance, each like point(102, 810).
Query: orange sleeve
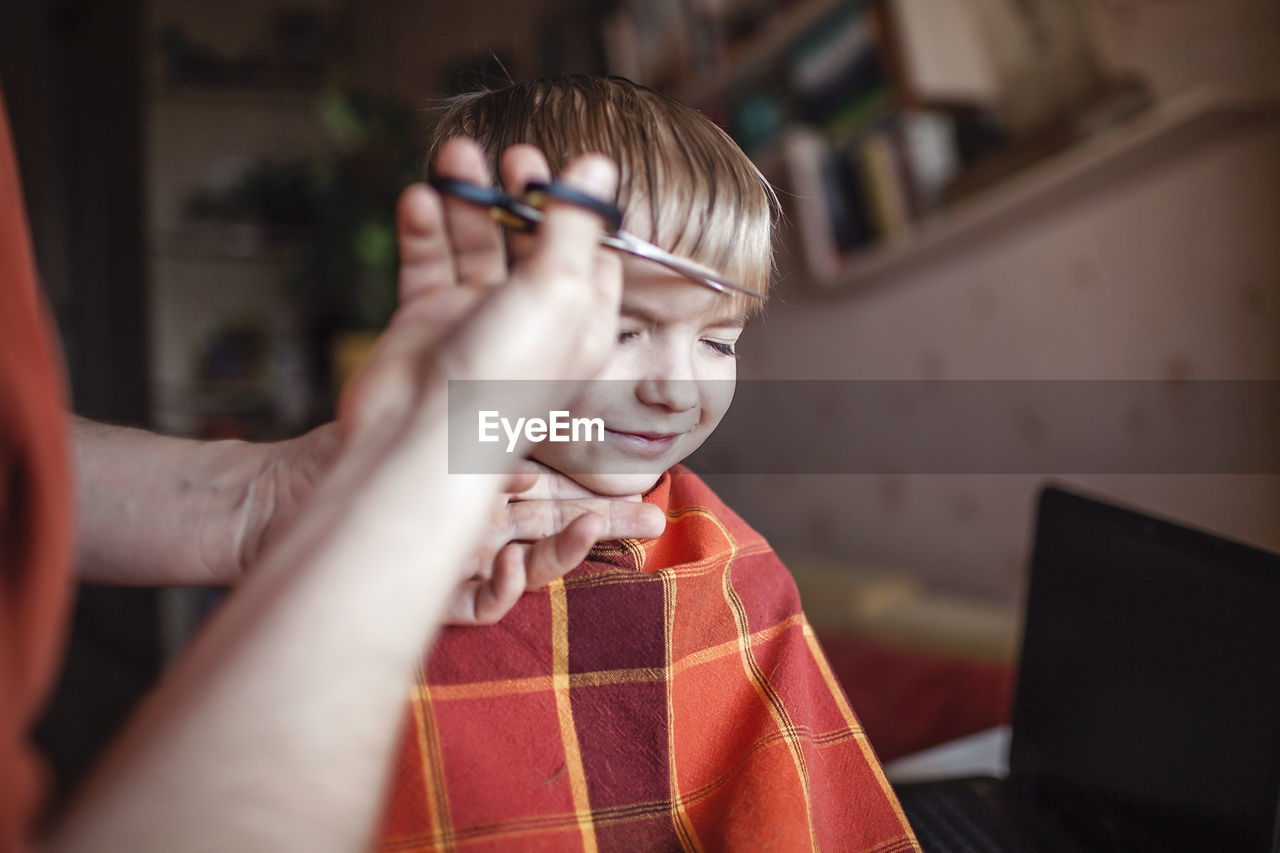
point(35, 508)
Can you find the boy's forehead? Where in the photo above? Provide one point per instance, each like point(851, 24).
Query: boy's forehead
point(703, 235)
point(654, 292)
point(666, 222)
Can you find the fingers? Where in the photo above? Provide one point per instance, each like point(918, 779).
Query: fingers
point(550, 484)
point(522, 164)
point(387, 386)
point(520, 567)
point(441, 308)
point(496, 596)
point(554, 319)
point(562, 535)
point(550, 558)
point(426, 259)
point(521, 480)
point(479, 253)
point(532, 520)
point(567, 228)
point(517, 567)
point(608, 267)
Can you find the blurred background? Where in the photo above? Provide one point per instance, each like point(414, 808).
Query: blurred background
point(976, 189)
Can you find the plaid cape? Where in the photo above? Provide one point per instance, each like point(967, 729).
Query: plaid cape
point(664, 695)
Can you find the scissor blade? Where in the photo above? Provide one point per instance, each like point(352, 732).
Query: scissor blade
point(625, 242)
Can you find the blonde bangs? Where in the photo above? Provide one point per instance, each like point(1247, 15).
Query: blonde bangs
point(677, 168)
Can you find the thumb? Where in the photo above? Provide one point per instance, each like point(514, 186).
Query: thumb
point(552, 557)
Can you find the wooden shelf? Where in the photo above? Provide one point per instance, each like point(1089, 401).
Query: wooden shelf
point(758, 54)
point(1112, 157)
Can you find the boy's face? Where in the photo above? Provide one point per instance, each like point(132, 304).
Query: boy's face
point(665, 388)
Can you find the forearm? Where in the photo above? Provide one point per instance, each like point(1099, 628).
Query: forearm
point(155, 510)
point(275, 732)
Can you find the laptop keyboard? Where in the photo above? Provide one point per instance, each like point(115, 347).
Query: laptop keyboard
point(974, 815)
point(988, 815)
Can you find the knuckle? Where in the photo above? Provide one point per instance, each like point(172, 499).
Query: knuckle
point(562, 270)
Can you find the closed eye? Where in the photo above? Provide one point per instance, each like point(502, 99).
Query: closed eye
point(722, 347)
point(627, 337)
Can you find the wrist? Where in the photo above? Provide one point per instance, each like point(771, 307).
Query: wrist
point(240, 488)
point(284, 473)
point(213, 518)
point(156, 510)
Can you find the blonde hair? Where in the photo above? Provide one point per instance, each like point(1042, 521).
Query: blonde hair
point(683, 184)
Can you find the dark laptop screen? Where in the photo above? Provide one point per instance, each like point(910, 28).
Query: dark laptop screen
point(1151, 669)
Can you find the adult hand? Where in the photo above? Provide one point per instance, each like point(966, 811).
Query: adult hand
point(156, 510)
point(530, 540)
point(300, 676)
point(533, 539)
point(451, 255)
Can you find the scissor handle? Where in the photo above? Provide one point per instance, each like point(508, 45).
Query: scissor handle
point(523, 215)
point(504, 209)
point(537, 193)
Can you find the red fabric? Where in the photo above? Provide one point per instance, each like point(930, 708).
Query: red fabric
point(909, 700)
point(666, 694)
point(35, 506)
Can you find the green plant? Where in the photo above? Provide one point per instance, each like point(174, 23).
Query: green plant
point(348, 260)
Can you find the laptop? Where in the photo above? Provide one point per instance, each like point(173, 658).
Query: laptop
point(1147, 708)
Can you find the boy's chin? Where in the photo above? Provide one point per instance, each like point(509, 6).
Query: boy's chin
point(616, 485)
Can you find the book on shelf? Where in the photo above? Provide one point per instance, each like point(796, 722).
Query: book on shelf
point(1046, 57)
point(648, 42)
point(834, 74)
point(885, 179)
point(824, 54)
point(931, 155)
point(886, 110)
point(871, 187)
point(827, 221)
point(938, 54)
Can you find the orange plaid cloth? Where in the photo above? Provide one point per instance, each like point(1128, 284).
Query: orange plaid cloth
point(663, 695)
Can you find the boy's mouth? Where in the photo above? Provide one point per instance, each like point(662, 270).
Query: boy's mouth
point(652, 444)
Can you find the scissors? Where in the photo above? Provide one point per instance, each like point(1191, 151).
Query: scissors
point(525, 214)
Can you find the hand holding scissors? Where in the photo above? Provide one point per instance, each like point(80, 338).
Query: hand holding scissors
point(524, 214)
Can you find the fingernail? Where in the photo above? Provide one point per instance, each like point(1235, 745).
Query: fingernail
point(596, 175)
point(656, 523)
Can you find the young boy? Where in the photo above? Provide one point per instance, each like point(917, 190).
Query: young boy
point(668, 693)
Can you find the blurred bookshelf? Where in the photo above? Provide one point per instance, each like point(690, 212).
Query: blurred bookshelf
point(900, 129)
point(273, 171)
point(1103, 161)
point(233, 97)
point(753, 57)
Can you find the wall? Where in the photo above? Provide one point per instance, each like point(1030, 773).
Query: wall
point(1178, 44)
point(1173, 274)
point(407, 49)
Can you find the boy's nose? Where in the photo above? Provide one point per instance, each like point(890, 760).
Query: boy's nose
point(676, 395)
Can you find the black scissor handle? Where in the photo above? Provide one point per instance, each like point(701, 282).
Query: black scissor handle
point(537, 193)
point(506, 210)
point(523, 215)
